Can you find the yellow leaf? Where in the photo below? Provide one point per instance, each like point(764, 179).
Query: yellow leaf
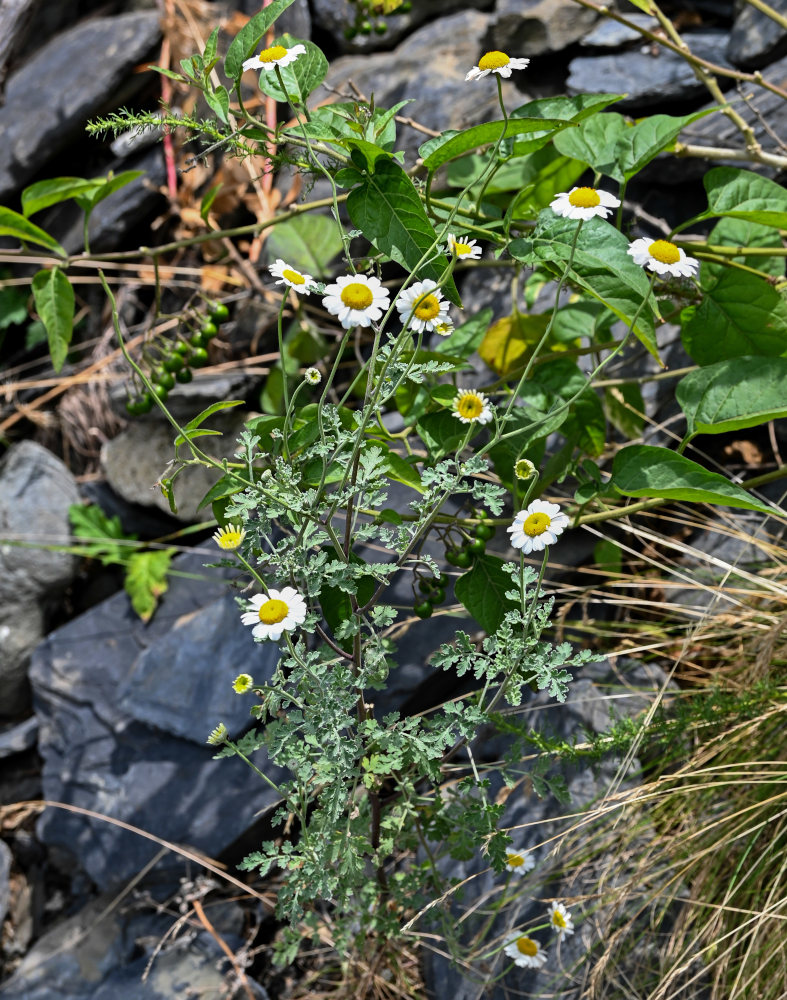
point(508, 343)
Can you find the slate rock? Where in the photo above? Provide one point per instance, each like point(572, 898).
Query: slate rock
point(335, 16)
point(66, 83)
point(538, 28)
point(125, 709)
point(757, 39)
point(17, 739)
point(6, 859)
point(104, 951)
point(36, 490)
point(609, 34)
point(649, 78)
point(429, 67)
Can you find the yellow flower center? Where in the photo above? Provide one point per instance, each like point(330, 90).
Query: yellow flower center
point(559, 920)
point(664, 251)
point(230, 538)
point(462, 249)
point(357, 296)
point(493, 60)
point(470, 406)
point(273, 53)
point(584, 198)
point(427, 308)
point(272, 612)
point(515, 860)
point(527, 946)
point(293, 276)
point(536, 524)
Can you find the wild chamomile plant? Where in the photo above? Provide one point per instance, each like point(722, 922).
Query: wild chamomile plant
point(375, 445)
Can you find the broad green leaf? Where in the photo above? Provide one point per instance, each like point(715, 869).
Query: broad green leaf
point(741, 233)
point(742, 194)
point(608, 556)
point(482, 591)
point(642, 143)
point(225, 487)
point(625, 408)
point(402, 471)
point(583, 317)
point(101, 533)
point(42, 194)
point(109, 184)
point(466, 338)
point(595, 143)
point(562, 380)
point(544, 174)
point(388, 211)
point(739, 315)
point(195, 422)
point(300, 78)
point(441, 432)
point(644, 471)
point(146, 580)
point(307, 242)
point(219, 101)
point(16, 225)
point(210, 47)
point(335, 603)
point(435, 152)
point(733, 394)
point(54, 298)
point(244, 44)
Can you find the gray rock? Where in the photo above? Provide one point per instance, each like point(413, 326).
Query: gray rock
point(538, 28)
point(647, 77)
point(125, 709)
point(17, 739)
point(65, 83)
point(757, 39)
point(105, 952)
point(609, 34)
point(430, 66)
point(5, 871)
point(334, 16)
point(140, 455)
point(36, 490)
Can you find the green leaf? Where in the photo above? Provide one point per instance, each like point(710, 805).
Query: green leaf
point(739, 315)
point(146, 580)
point(608, 556)
point(482, 591)
point(54, 298)
point(101, 533)
point(644, 471)
point(13, 304)
point(466, 338)
point(336, 605)
point(742, 194)
point(300, 78)
point(245, 42)
point(742, 233)
point(210, 47)
point(108, 186)
point(401, 470)
point(441, 432)
point(195, 422)
point(510, 341)
point(733, 394)
point(435, 152)
point(595, 143)
point(42, 194)
point(388, 211)
point(306, 242)
point(219, 101)
point(16, 225)
point(625, 408)
point(562, 379)
point(644, 141)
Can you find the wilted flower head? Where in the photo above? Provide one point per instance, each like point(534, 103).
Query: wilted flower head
point(312, 376)
point(218, 735)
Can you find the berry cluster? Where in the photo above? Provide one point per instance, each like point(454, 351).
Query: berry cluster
point(473, 545)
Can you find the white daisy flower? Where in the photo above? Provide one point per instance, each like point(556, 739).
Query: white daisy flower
point(444, 329)
point(519, 862)
point(356, 300)
point(584, 203)
point(560, 919)
point(277, 55)
point(526, 952)
point(470, 405)
point(464, 249)
point(243, 683)
point(229, 538)
point(496, 62)
point(275, 612)
point(312, 376)
point(663, 257)
point(537, 526)
point(289, 276)
point(422, 306)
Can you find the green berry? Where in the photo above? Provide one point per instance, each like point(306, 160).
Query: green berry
point(437, 596)
point(425, 586)
point(463, 559)
point(184, 375)
point(198, 357)
point(452, 556)
point(172, 363)
point(424, 609)
point(380, 27)
point(182, 347)
point(443, 580)
point(219, 313)
point(208, 331)
point(485, 531)
point(366, 27)
point(163, 377)
point(476, 547)
point(161, 391)
point(145, 402)
point(133, 406)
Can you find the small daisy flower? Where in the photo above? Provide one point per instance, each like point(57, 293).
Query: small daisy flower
point(524, 469)
point(560, 919)
point(312, 376)
point(444, 329)
point(663, 257)
point(356, 300)
point(496, 62)
point(278, 611)
point(471, 405)
point(422, 306)
point(229, 538)
point(464, 249)
point(277, 55)
point(243, 683)
point(519, 862)
point(289, 276)
point(526, 952)
point(537, 526)
point(584, 203)
point(218, 735)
